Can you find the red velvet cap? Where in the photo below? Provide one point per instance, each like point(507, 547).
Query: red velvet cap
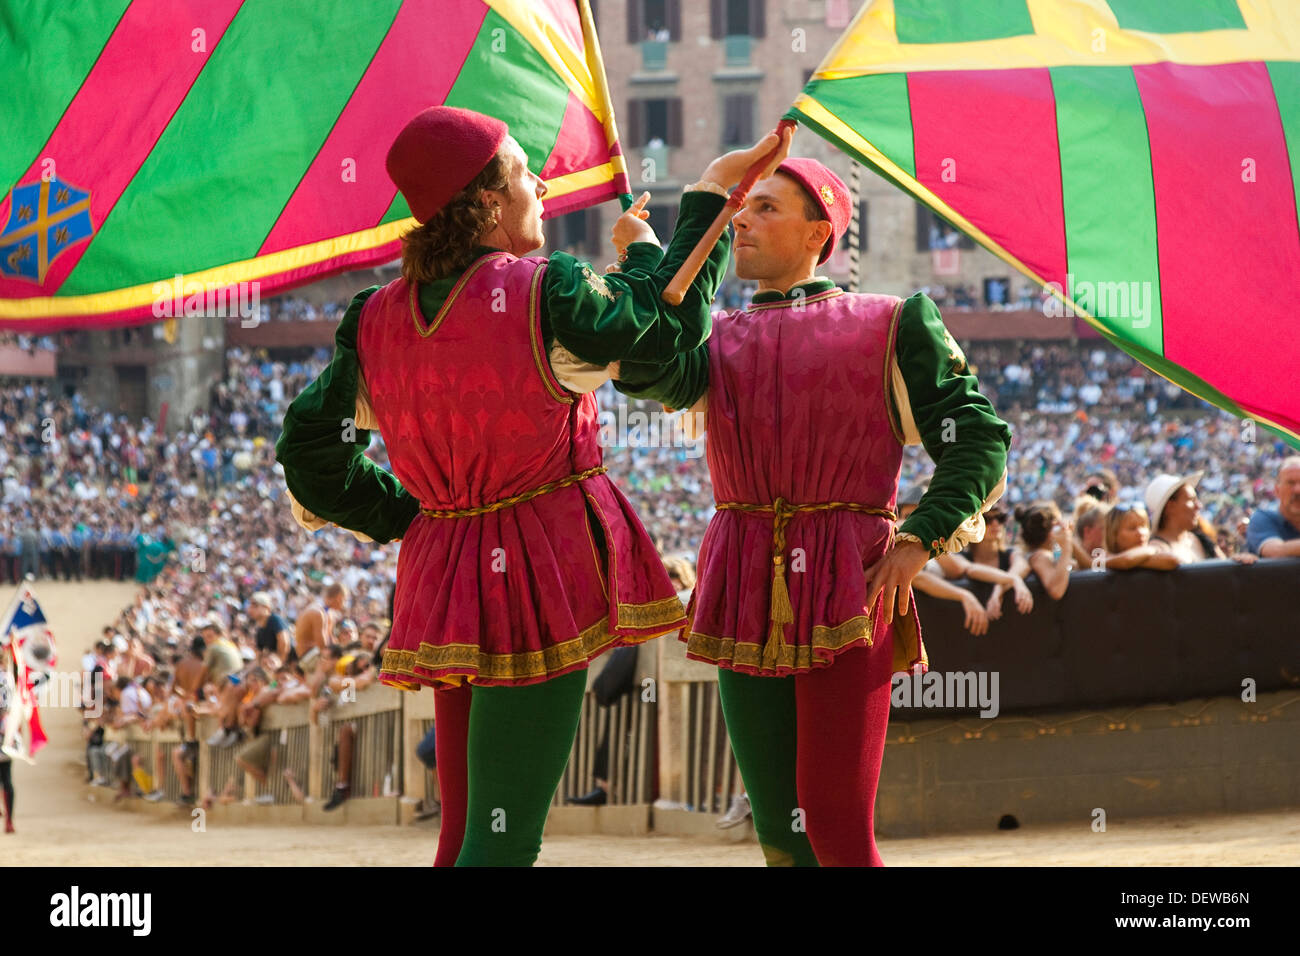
point(827, 191)
point(439, 153)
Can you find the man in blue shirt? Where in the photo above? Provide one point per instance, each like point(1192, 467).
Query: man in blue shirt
point(1275, 532)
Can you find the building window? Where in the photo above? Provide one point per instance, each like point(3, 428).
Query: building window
point(654, 120)
point(935, 232)
point(576, 232)
point(729, 18)
point(738, 120)
point(997, 292)
point(654, 20)
point(663, 220)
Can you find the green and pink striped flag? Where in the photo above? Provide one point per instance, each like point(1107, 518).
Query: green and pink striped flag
point(1138, 157)
point(234, 141)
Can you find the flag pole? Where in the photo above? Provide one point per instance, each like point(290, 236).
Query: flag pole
point(675, 291)
point(596, 67)
point(7, 620)
point(855, 228)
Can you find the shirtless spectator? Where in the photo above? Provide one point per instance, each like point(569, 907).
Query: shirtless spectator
point(1128, 544)
point(136, 662)
point(187, 690)
point(272, 635)
point(1275, 532)
point(314, 628)
point(222, 663)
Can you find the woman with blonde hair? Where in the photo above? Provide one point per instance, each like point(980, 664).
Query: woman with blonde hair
point(1128, 533)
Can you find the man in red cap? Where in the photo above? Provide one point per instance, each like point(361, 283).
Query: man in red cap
point(521, 562)
point(809, 396)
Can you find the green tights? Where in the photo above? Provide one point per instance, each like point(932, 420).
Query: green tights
point(519, 740)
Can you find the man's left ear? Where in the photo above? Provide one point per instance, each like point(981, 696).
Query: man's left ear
point(823, 234)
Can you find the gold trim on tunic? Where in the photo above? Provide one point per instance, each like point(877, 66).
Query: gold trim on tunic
point(399, 665)
point(451, 298)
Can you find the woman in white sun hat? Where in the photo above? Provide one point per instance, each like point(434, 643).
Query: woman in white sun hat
point(1179, 527)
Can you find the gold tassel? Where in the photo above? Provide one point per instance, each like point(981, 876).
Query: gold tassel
point(781, 614)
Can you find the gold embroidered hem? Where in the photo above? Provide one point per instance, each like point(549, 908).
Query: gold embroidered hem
point(826, 642)
point(453, 663)
point(661, 613)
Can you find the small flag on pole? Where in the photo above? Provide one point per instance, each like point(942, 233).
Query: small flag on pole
point(27, 656)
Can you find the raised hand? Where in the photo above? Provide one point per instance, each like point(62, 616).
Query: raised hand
point(728, 170)
point(632, 226)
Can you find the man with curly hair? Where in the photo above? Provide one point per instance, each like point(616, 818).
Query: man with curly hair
point(521, 562)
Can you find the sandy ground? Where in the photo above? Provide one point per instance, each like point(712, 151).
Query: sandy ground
point(58, 826)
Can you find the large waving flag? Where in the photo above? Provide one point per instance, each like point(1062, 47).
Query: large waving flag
point(239, 141)
point(1139, 157)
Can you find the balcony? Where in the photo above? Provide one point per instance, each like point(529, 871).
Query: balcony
point(736, 49)
point(654, 56)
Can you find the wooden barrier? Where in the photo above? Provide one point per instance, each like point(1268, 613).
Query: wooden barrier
point(1113, 736)
point(304, 748)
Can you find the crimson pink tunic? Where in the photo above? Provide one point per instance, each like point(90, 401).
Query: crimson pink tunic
point(797, 409)
point(472, 414)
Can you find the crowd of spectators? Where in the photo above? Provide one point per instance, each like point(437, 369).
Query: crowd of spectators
point(1164, 530)
point(239, 608)
point(30, 344)
point(155, 676)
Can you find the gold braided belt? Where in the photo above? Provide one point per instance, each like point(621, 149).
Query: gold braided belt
point(782, 511)
point(515, 499)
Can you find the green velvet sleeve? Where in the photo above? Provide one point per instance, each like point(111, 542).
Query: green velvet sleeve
point(959, 428)
point(621, 315)
point(329, 475)
point(677, 384)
